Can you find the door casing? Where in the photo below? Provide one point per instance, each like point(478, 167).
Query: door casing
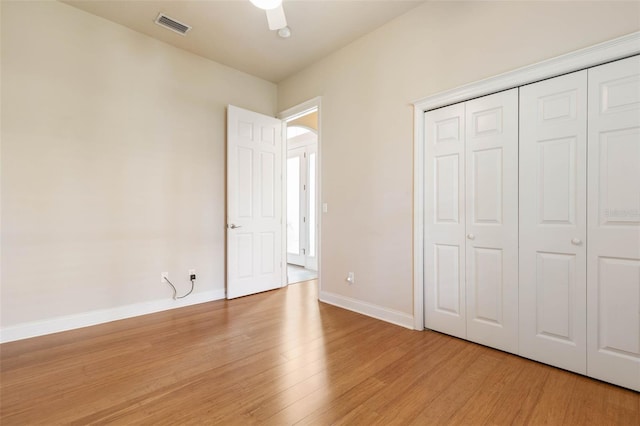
point(288, 115)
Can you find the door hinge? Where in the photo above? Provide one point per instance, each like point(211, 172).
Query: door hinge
point(304, 219)
point(304, 251)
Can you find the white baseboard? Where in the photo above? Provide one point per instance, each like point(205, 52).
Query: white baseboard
point(389, 315)
point(70, 322)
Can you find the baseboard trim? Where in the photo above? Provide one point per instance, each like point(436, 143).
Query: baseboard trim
point(71, 322)
point(389, 315)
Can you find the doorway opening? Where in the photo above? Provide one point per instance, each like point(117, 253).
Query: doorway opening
point(302, 196)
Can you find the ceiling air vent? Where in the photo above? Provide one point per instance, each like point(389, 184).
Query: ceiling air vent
point(170, 23)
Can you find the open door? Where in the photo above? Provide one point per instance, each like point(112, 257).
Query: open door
point(254, 203)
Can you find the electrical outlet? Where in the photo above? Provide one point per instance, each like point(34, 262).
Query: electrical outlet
point(351, 278)
point(163, 275)
point(192, 274)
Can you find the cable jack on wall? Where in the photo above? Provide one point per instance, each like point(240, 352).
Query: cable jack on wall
point(192, 278)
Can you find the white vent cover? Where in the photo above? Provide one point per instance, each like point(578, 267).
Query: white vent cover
point(171, 24)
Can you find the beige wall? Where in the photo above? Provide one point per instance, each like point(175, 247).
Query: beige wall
point(112, 163)
point(367, 89)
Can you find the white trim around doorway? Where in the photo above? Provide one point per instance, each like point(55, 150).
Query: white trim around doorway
point(288, 115)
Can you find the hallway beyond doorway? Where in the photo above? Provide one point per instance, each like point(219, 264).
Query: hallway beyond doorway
point(296, 274)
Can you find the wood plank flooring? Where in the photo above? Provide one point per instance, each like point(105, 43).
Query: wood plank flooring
point(281, 358)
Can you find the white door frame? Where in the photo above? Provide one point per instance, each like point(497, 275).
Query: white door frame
point(288, 115)
point(584, 58)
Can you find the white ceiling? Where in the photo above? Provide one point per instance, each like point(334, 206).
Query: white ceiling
point(235, 33)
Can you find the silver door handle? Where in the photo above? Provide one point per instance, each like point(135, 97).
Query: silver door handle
point(471, 236)
point(234, 226)
point(576, 241)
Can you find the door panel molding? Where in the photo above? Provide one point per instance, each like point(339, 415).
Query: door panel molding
point(553, 202)
point(254, 201)
point(492, 220)
point(613, 250)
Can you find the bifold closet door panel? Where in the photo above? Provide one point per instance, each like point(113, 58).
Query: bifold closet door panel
point(613, 271)
point(553, 150)
point(444, 221)
point(492, 220)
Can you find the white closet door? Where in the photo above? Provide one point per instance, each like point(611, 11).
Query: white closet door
point(444, 221)
point(492, 220)
point(553, 221)
point(614, 223)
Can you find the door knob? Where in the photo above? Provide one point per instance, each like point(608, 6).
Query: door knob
point(576, 241)
point(234, 226)
point(471, 236)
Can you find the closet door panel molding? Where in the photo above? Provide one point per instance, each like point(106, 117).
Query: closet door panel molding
point(492, 220)
point(553, 149)
point(613, 283)
point(444, 251)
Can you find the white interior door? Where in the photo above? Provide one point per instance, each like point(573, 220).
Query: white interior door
point(492, 220)
point(254, 202)
point(553, 150)
point(296, 206)
point(613, 252)
point(444, 248)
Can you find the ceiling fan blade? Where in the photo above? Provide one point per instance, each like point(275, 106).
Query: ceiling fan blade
point(276, 18)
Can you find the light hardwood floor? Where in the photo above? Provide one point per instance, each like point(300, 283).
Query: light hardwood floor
point(283, 358)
